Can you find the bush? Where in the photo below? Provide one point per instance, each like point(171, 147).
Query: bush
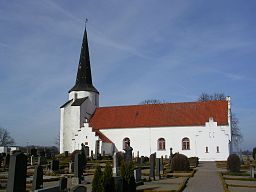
point(193, 161)
point(129, 184)
point(254, 153)
point(108, 180)
point(97, 184)
point(233, 163)
point(179, 163)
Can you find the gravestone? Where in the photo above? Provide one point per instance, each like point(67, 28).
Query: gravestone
point(38, 178)
point(118, 181)
point(78, 167)
point(91, 154)
point(33, 152)
point(128, 154)
point(142, 159)
point(79, 188)
point(162, 165)
point(152, 165)
point(6, 161)
point(66, 153)
point(117, 159)
point(55, 165)
point(17, 173)
point(158, 168)
point(63, 184)
point(137, 174)
point(71, 167)
point(42, 154)
point(32, 160)
point(97, 149)
point(252, 171)
point(41, 160)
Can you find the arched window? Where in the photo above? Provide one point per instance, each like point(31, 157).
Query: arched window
point(126, 142)
point(185, 144)
point(161, 144)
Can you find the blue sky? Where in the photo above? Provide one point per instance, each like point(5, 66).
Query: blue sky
point(171, 50)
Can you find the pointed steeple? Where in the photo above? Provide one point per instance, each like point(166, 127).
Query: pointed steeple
point(84, 77)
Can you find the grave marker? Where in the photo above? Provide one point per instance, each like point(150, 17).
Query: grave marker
point(17, 173)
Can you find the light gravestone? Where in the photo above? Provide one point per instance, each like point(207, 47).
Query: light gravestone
point(152, 166)
point(38, 178)
point(17, 173)
point(71, 167)
point(252, 171)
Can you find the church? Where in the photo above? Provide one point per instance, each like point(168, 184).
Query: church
point(201, 129)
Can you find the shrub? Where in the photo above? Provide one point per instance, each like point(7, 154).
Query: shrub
point(129, 184)
point(108, 180)
point(233, 163)
point(193, 161)
point(97, 184)
point(254, 153)
point(179, 163)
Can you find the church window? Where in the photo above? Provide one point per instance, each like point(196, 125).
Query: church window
point(161, 144)
point(126, 142)
point(218, 149)
point(185, 144)
point(206, 150)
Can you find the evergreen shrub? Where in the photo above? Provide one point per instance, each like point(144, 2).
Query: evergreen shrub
point(179, 163)
point(108, 180)
point(97, 182)
point(233, 163)
point(127, 172)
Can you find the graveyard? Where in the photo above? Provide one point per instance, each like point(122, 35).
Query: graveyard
point(124, 171)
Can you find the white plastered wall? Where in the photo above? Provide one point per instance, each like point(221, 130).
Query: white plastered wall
point(145, 140)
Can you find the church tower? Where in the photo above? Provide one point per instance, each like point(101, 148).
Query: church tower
point(83, 100)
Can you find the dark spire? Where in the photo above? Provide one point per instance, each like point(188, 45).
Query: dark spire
point(84, 77)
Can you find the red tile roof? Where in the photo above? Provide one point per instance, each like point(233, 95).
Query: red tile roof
point(160, 115)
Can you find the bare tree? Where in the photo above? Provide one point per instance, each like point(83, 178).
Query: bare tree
point(151, 101)
point(208, 97)
point(5, 138)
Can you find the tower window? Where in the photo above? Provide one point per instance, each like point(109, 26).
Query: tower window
point(218, 149)
point(206, 150)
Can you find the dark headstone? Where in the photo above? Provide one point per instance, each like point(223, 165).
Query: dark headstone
point(66, 153)
point(38, 178)
point(158, 167)
point(63, 184)
point(137, 174)
point(142, 160)
point(118, 180)
point(78, 167)
point(97, 149)
point(128, 154)
point(79, 188)
point(55, 165)
point(42, 160)
point(152, 165)
point(17, 173)
point(33, 152)
point(42, 154)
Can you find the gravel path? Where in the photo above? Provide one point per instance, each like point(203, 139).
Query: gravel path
point(206, 179)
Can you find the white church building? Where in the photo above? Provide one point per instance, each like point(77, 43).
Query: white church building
point(201, 129)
